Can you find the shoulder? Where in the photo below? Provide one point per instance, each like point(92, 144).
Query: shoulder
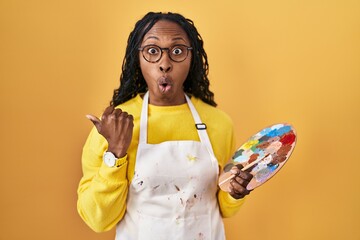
point(212, 115)
point(220, 129)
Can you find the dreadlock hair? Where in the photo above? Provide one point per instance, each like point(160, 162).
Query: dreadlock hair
point(132, 81)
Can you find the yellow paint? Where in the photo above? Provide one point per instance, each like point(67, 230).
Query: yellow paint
point(191, 157)
point(250, 144)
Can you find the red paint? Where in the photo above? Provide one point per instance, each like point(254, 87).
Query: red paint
point(253, 157)
point(288, 138)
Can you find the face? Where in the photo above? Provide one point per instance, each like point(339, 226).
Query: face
point(165, 78)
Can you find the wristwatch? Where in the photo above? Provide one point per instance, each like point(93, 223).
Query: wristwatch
point(110, 159)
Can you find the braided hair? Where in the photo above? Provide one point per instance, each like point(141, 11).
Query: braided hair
point(132, 81)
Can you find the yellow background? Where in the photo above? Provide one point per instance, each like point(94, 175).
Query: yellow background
point(270, 62)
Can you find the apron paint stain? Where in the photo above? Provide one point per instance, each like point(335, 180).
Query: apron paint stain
point(191, 157)
point(201, 236)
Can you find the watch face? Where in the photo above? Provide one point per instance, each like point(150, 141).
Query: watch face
point(109, 159)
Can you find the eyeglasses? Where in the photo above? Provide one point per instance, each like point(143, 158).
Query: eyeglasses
point(153, 53)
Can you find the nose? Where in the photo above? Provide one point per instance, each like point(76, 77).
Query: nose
point(165, 69)
point(165, 63)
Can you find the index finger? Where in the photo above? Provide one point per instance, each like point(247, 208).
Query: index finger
point(245, 175)
point(241, 167)
point(108, 111)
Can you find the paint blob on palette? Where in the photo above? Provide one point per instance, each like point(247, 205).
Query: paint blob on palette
point(263, 155)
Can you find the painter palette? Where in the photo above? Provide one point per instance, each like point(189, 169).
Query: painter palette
point(263, 155)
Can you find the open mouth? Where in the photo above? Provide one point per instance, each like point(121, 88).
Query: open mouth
point(164, 84)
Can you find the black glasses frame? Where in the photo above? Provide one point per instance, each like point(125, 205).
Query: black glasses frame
point(165, 49)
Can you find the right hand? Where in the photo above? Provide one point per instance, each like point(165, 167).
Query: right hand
point(116, 127)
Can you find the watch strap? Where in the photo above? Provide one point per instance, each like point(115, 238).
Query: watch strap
point(121, 161)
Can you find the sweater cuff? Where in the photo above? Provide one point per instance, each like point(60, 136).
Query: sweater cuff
point(115, 174)
point(232, 200)
point(229, 205)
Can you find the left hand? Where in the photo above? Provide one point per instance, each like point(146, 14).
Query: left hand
point(239, 183)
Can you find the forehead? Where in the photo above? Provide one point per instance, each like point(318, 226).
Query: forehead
point(166, 30)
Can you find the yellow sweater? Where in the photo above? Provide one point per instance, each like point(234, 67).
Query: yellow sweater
point(102, 191)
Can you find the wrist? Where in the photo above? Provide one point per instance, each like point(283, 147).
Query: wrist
point(119, 153)
point(111, 160)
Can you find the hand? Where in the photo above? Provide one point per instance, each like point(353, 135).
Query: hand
point(239, 183)
point(116, 127)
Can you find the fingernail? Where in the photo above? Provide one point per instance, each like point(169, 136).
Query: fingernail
point(88, 117)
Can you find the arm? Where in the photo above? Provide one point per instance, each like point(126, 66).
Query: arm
point(230, 202)
point(103, 190)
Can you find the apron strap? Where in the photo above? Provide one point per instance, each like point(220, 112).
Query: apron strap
point(143, 119)
point(200, 127)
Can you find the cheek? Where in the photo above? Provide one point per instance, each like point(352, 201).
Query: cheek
point(186, 68)
point(145, 68)
point(189, 61)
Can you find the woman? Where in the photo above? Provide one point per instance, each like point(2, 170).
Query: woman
point(151, 164)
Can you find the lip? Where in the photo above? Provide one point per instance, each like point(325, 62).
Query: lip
point(165, 84)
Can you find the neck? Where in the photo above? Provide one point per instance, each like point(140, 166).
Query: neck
point(167, 100)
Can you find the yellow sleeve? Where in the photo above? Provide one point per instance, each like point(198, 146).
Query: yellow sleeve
point(228, 205)
point(102, 191)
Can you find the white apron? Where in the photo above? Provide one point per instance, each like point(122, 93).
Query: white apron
point(173, 191)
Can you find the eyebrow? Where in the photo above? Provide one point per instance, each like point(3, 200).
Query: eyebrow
point(150, 37)
point(174, 39)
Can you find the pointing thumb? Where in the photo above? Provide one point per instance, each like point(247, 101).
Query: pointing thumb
point(96, 121)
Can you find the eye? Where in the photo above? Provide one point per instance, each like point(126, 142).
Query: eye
point(177, 50)
point(152, 50)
